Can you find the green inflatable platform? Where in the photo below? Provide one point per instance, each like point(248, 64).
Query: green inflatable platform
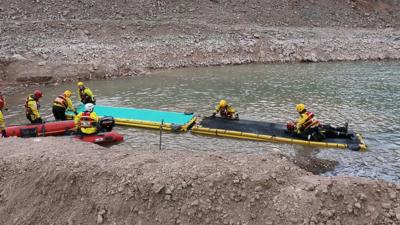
point(146, 118)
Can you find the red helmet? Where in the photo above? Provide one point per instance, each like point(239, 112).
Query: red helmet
point(1, 103)
point(38, 94)
point(290, 125)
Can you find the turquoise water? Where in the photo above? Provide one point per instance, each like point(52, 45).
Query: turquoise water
point(365, 94)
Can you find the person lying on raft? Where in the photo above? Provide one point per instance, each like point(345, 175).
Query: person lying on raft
point(309, 128)
point(225, 110)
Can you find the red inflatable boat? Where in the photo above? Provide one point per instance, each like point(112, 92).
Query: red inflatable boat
point(46, 129)
point(104, 139)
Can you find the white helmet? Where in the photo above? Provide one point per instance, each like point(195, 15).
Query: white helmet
point(89, 107)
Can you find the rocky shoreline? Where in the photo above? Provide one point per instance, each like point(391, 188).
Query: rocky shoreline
point(61, 60)
point(45, 43)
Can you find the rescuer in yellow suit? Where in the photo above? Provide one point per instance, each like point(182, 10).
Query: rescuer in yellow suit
point(87, 121)
point(61, 104)
point(225, 110)
point(85, 94)
point(32, 107)
point(3, 106)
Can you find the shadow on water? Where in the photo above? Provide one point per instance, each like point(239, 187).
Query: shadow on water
point(365, 94)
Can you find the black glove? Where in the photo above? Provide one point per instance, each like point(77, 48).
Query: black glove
point(6, 109)
point(213, 115)
point(76, 113)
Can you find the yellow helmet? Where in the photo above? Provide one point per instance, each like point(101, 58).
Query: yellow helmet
point(223, 103)
point(80, 83)
point(300, 107)
point(68, 93)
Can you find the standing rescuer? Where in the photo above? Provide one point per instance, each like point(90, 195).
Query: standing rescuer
point(85, 94)
point(61, 104)
point(225, 110)
point(32, 107)
point(3, 106)
point(87, 121)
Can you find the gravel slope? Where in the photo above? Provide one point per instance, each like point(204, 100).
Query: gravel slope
point(54, 181)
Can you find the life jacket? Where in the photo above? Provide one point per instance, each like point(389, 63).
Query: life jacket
point(86, 121)
point(61, 101)
point(224, 111)
point(310, 122)
point(28, 110)
point(85, 98)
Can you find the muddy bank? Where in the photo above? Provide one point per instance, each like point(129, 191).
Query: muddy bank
point(53, 181)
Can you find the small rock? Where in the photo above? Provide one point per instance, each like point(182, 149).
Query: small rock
point(86, 32)
point(349, 208)
point(386, 205)
point(310, 187)
point(258, 188)
point(102, 212)
point(168, 191)
point(256, 35)
point(18, 57)
point(99, 219)
point(41, 63)
point(157, 188)
point(392, 195)
point(357, 205)
point(195, 203)
point(362, 196)
point(276, 151)
point(184, 184)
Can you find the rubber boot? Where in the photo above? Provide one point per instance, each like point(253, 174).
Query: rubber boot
point(3, 133)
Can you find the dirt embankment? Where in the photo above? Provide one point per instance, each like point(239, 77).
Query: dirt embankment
point(53, 181)
point(54, 41)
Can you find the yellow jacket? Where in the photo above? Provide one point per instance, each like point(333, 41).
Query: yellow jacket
point(227, 111)
point(306, 120)
point(32, 108)
point(2, 123)
point(85, 93)
point(87, 122)
point(65, 102)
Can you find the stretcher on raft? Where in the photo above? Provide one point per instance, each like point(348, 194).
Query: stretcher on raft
point(144, 118)
point(270, 132)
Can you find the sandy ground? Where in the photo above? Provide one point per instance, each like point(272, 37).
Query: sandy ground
point(56, 181)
